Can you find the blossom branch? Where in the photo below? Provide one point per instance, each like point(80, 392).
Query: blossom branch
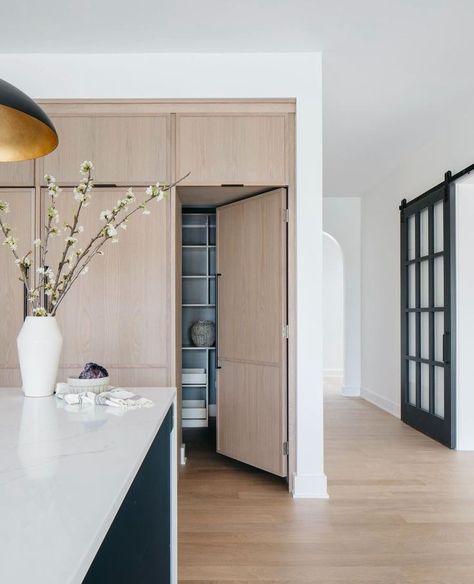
point(81, 193)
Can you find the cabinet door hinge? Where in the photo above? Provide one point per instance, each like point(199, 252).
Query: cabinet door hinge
point(286, 449)
point(285, 331)
point(285, 215)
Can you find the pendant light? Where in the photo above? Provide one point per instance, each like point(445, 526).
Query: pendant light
point(26, 132)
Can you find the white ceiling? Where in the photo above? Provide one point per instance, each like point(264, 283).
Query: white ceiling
point(394, 70)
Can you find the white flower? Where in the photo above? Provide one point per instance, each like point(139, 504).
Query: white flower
point(86, 167)
point(130, 196)
point(121, 205)
point(23, 262)
point(40, 312)
point(84, 270)
point(82, 196)
point(161, 195)
point(54, 190)
point(70, 240)
point(81, 188)
point(123, 225)
point(115, 240)
point(4, 206)
point(80, 229)
point(33, 295)
point(54, 231)
point(37, 242)
point(110, 230)
point(53, 213)
point(41, 270)
point(153, 190)
point(146, 211)
point(49, 179)
point(106, 215)
point(12, 242)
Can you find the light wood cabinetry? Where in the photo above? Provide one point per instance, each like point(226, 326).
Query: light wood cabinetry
point(232, 149)
point(21, 216)
point(126, 312)
point(119, 313)
point(125, 150)
point(252, 348)
point(17, 174)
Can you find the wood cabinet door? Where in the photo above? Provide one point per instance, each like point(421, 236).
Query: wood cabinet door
point(125, 150)
point(232, 149)
point(17, 174)
point(21, 218)
point(252, 314)
point(118, 314)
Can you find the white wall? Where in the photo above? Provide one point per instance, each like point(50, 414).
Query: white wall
point(464, 314)
point(333, 308)
point(342, 220)
point(226, 75)
point(451, 148)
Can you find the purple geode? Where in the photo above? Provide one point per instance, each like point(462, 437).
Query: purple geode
point(93, 371)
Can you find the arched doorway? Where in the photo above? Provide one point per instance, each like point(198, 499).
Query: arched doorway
point(333, 311)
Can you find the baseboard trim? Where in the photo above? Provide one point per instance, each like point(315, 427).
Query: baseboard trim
point(212, 410)
point(351, 391)
point(381, 402)
point(310, 486)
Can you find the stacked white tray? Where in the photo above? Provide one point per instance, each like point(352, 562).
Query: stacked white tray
point(194, 411)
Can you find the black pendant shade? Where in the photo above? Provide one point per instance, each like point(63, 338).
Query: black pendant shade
point(25, 130)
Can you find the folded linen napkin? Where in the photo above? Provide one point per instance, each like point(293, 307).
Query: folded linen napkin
point(119, 398)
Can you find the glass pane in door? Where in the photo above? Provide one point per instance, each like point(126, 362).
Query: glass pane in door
point(439, 391)
point(439, 282)
point(411, 237)
point(412, 334)
point(438, 227)
point(425, 386)
point(411, 286)
point(412, 382)
point(424, 238)
point(438, 335)
point(424, 284)
point(425, 335)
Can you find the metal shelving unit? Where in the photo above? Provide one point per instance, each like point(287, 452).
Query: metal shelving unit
point(198, 302)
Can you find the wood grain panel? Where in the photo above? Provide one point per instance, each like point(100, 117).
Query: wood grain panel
point(226, 149)
point(140, 107)
point(119, 313)
point(125, 150)
point(17, 174)
point(11, 290)
point(249, 414)
point(251, 294)
point(251, 390)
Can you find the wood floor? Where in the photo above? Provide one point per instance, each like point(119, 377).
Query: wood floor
point(401, 511)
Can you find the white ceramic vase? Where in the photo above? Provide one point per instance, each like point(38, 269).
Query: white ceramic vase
point(39, 348)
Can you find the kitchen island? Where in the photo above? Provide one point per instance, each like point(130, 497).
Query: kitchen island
point(87, 493)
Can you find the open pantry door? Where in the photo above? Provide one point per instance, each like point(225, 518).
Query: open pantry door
point(252, 331)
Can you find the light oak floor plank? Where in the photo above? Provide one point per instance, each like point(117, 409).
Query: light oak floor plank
point(401, 510)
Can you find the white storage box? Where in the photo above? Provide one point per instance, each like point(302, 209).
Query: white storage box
point(193, 409)
point(194, 377)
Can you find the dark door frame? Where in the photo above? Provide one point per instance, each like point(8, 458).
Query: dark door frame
point(441, 429)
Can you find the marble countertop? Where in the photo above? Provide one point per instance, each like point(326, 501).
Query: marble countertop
point(64, 472)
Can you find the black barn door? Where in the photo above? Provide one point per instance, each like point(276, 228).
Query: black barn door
point(427, 313)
